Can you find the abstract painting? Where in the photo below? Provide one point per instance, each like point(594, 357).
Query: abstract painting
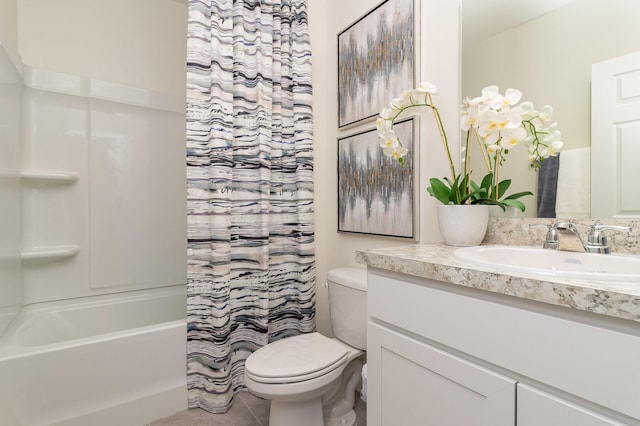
point(375, 192)
point(375, 60)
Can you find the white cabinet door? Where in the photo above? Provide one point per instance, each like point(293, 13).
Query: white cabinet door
point(536, 408)
point(411, 383)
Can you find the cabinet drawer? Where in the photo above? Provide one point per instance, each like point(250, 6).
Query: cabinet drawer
point(412, 383)
point(536, 407)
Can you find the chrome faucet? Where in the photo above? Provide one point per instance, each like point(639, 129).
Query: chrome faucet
point(569, 237)
point(597, 241)
point(551, 239)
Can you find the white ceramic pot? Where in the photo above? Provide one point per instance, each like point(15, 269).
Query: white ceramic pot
point(463, 225)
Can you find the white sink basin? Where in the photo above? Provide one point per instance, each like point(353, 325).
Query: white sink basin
point(553, 263)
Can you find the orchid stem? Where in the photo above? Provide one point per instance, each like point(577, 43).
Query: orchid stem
point(443, 136)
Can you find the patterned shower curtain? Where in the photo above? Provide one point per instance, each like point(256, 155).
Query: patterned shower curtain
point(251, 267)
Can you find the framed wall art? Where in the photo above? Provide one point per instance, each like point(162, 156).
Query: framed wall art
point(376, 194)
point(376, 57)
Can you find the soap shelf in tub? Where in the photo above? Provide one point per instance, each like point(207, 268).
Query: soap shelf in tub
point(48, 254)
point(35, 176)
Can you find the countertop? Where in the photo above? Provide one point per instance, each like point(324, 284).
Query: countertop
point(436, 261)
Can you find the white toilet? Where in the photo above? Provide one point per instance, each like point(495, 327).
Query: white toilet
point(311, 379)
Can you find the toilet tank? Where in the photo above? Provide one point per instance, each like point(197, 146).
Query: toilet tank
point(348, 305)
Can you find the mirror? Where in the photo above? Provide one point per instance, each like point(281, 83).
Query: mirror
point(545, 49)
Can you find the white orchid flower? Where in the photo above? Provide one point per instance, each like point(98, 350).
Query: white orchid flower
point(492, 121)
point(489, 92)
point(555, 148)
point(500, 121)
point(491, 96)
point(493, 148)
point(383, 124)
point(403, 101)
point(511, 137)
point(475, 101)
point(388, 139)
point(512, 97)
point(546, 113)
point(395, 152)
point(426, 87)
point(528, 110)
point(543, 151)
point(470, 117)
point(513, 116)
point(496, 102)
point(387, 113)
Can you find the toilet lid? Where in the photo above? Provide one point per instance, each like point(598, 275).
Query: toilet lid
point(296, 357)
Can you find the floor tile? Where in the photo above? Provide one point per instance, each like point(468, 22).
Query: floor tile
point(238, 415)
point(247, 410)
point(257, 406)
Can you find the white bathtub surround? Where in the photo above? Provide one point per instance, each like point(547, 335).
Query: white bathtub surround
point(96, 260)
point(250, 202)
point(102, 165)
point(10, 237)
point(105, 360)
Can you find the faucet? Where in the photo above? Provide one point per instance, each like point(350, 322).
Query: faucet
point(597, 241)
point(569, 238)
point(551, 239)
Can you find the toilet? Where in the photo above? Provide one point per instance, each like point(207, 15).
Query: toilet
point(311, 379)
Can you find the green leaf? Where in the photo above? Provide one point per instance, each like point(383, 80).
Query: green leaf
point(515, 203)
point(439, 190)
point(518, 195)
point(489, 201)
point(486, 181)
point(502, 187)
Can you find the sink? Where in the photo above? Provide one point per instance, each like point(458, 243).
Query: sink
point(553, 263)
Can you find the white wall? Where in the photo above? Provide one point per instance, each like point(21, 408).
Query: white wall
point(106, 40)
point(9, 29)
point(439, 64)
point(549, 59)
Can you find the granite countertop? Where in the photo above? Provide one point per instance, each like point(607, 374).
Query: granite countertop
point(436, 261)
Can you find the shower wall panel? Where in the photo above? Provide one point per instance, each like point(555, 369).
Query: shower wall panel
point(10, 239)
point(111, 207)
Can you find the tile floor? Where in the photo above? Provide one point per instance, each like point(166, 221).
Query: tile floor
point(247, 410)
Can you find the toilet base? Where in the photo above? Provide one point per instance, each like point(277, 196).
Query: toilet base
point(348, 419)
point(308, 413)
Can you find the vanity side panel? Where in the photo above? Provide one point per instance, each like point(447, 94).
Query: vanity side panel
point(594, 363)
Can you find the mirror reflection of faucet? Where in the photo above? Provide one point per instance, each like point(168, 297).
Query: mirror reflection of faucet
point(565, 236)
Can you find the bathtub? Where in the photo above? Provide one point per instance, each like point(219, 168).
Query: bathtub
point(109, 360)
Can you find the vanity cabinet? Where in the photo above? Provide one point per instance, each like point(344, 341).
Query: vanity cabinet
point(441, 354)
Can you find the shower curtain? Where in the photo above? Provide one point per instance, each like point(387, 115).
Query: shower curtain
point(251, 267)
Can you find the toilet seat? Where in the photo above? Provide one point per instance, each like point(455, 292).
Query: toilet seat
point(296, 359)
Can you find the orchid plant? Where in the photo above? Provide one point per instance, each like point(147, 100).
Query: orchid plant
point(497, 122)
